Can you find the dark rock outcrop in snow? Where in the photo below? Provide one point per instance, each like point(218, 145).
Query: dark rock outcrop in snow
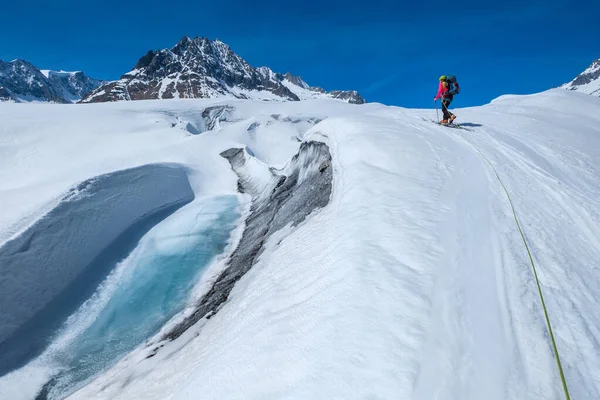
point(588, 81)
point(296, 80)
point(57, 263)
point(72, 86)
point(350, 96)
point(288, 198)
point(21, 81)
point(203, 68)
point(5, 94)
point(193, 68)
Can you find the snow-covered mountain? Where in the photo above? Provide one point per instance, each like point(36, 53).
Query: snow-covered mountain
point(72, 86)
point(21, 81)
point(241, 249)
point(203, 68)
point(588, 81)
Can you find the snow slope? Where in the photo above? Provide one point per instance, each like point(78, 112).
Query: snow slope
point(412, 283)
point(588, 81)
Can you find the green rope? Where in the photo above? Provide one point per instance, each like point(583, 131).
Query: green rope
point(558, 363)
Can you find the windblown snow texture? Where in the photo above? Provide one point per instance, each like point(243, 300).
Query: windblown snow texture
point(303, 187)
point(55, 265)
point(414, 272)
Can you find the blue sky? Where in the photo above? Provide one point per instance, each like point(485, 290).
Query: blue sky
point(391, 51)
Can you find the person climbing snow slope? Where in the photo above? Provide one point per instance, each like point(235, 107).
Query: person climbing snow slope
point(447, 89)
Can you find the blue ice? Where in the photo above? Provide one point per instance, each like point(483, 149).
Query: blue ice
point(143, 293)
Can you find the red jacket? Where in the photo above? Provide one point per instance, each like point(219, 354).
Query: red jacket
point(442, 90)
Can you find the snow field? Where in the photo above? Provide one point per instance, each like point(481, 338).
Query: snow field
point(412, 283)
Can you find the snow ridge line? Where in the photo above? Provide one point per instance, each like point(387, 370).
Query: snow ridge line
point(539, 287)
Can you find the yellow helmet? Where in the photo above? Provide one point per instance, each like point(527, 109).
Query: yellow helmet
point(443, 78)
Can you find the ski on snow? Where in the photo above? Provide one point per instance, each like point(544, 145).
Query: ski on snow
point(450, 125)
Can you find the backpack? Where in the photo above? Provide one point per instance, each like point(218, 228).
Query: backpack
point(453, 86)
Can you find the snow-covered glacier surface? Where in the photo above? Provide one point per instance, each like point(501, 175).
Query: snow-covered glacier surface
point(403, 277)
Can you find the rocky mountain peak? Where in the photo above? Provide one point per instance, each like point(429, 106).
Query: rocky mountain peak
point(21, 81)
point(199, 68)
point(145, 60)
point(588, 81)
point(296, 80)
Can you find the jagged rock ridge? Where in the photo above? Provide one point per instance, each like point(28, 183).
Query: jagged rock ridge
point(21, 81)
point(203, 68)
point(588, 81)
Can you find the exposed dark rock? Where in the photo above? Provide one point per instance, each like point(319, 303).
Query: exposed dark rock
point(21, 81)
point(296, 80)
point(202, 68)
point(351, 96)
point(193, 68)
point(25, 82)
point(318, 89)
point(590, 75)
point(145, 60)
point(294, 193)
point(5, 94)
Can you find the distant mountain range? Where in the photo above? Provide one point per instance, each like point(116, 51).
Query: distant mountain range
point(193, 68)
point(588, 81)
point(21, 81)
point(203, 68)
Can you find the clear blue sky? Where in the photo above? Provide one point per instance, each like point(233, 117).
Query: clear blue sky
point(391, 51)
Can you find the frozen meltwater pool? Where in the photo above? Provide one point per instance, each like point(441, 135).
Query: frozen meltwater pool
point(140, 295)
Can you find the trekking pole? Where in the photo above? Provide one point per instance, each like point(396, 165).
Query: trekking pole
point(436, 112)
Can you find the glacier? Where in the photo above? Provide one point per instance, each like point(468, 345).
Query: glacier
point(142, 294)
point(49, 269)
point(406, 278)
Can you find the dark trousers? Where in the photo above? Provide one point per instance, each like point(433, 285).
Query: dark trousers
point(445, 103)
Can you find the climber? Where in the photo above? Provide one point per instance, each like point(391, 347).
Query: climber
point(446, 91)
